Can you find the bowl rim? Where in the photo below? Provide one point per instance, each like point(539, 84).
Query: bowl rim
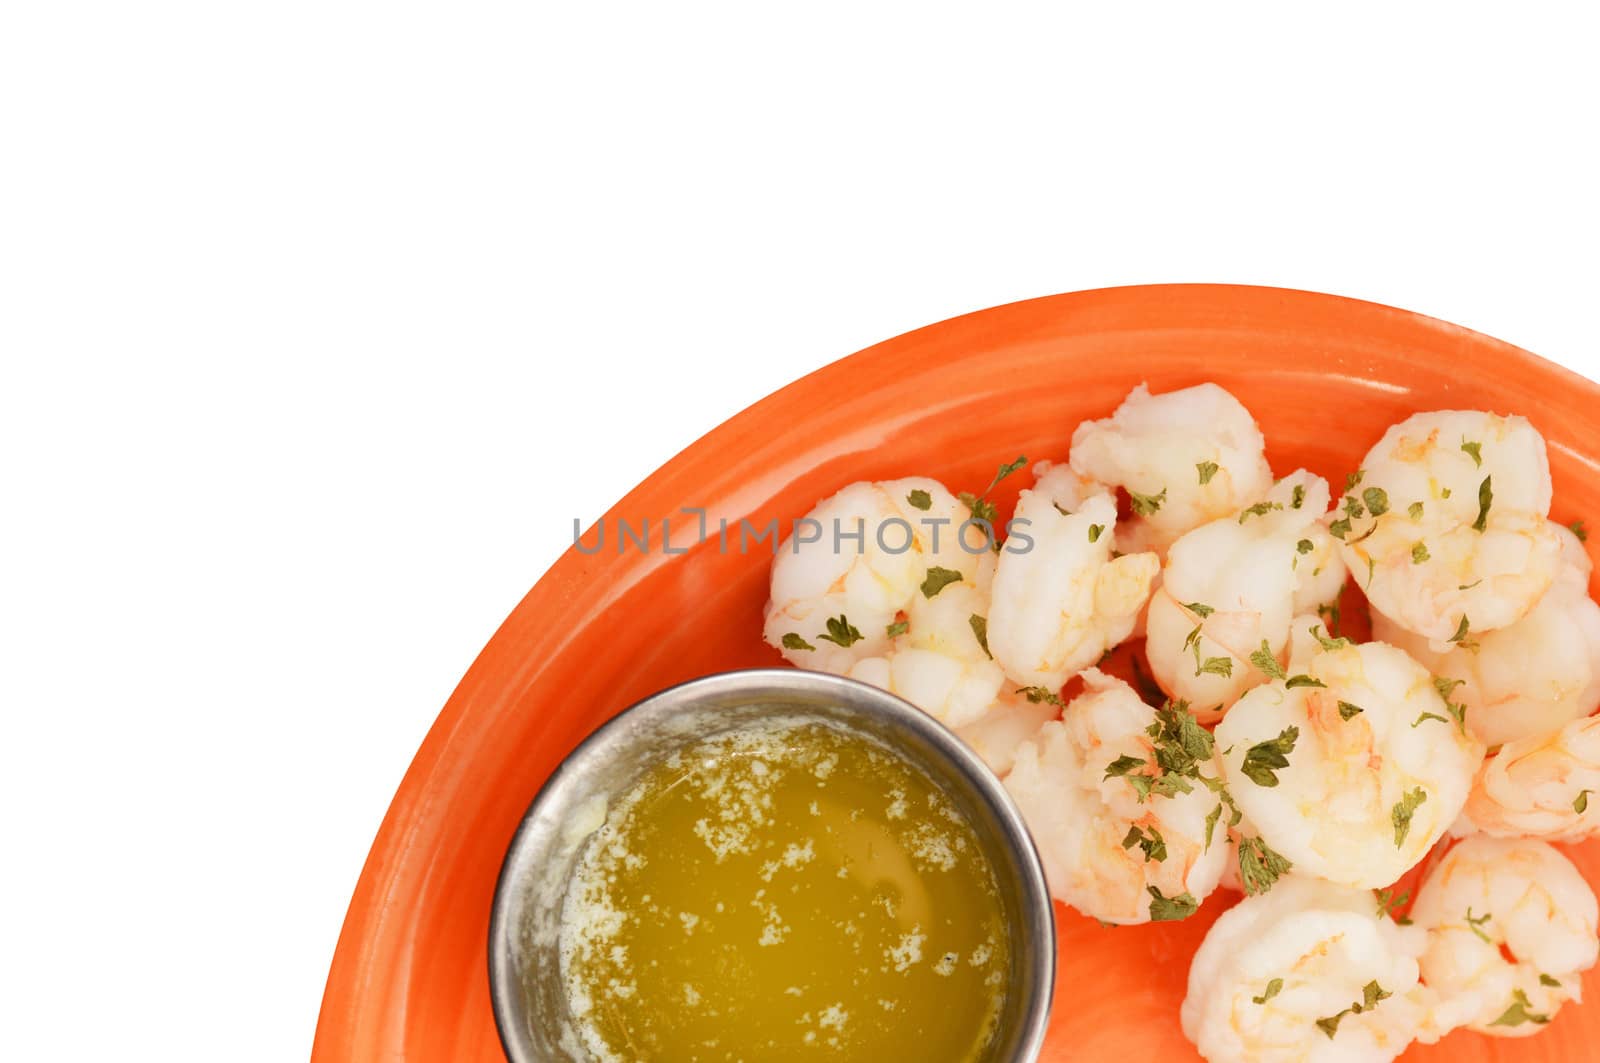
point(1035, 904)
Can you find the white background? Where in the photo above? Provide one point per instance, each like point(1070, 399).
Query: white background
point(320, 321)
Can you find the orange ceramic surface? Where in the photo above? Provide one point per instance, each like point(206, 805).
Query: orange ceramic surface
point(1323, 375)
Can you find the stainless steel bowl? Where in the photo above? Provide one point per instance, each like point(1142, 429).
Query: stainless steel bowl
point(530, 1006)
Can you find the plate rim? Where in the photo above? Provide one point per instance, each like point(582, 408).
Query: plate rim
point(352, 990)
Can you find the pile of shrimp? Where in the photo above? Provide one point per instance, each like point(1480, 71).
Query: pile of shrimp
point(1262, 752)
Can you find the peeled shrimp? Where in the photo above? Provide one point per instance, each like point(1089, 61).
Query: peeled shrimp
point(1002, 729)
point(1195, 455)
point(1446, 525)
point(1532, 677)
point(885, 588)
point(1318, 568)
point(1227, 586)
point(1308, 972)
point(1060, 600)
point(1541, 787)
point(850, 565)
point(1106, 852)
point(1354, 766)
point(939, 663)
point(1511, 928)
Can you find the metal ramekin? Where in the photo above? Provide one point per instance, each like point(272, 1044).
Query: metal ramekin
point(530, 1005)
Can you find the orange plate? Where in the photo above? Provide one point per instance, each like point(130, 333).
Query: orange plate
point(1323, 375)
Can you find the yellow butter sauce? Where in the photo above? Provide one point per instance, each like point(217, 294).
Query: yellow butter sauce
point(785, 892)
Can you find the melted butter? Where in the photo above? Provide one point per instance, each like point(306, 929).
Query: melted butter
point(785, 893)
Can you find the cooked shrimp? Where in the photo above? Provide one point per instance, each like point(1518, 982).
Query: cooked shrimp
point(1541, 787)
point(1318, 568)
point(1185, 457)
point(838, 589)
point(1511, 929)
point(1227, 586)
point(1122, 839)
point(1308, 972)
point(1531, 678)
point(939, 662)
point(1060, 599)
point(1012, 720)
point(1444, 525)
point(1352, 764)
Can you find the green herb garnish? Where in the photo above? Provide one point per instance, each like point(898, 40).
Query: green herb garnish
point(1519, 1012)
point(841, 632)
point(1006, 470)
point(1180, 744)
point(1167, 909)
point(1211, 825)
point(1262, 760)
point(938, 579)
point(1402, 812)
point(1388, 903)
point(1371, 994)
point(1458, 710)
point(1264, 660)
point(1260, 866)
point(1145, 505)
point(1274, 987)
point(1259, 509)
point(1123, 766)
point(1326, 642)
point(980, 628)
point(984, 510)
point(1149, 842)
